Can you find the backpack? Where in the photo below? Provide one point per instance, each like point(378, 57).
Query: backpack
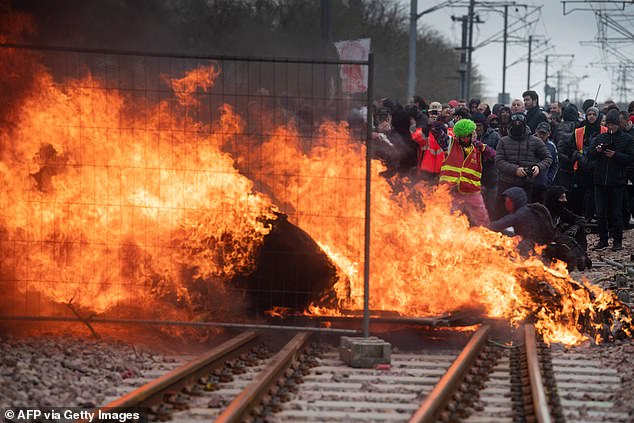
point(543, 214)
point(564, 132)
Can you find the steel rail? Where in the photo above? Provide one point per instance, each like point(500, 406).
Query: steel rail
point(540, 403)
point(251, 396)
point(444, 390)
point(153, 392)
point(188, 373)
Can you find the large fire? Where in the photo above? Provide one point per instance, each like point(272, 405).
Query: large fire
point(106, 198)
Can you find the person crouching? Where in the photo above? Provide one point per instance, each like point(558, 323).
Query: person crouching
point(462, 171)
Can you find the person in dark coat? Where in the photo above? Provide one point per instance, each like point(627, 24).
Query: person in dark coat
point(534, 114)
point(519, 158)
point(564, 219)
point(534, 224)
point(542, 181)
point(613, 152)
point(627, 126)
point(581, 185)
point(401, 137)
point(527, 222)
point(504, 116)
point(563, 134)
point(490, 137)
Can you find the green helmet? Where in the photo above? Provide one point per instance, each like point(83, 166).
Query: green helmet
point(464, 128)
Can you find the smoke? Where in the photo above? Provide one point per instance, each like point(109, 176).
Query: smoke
point(192, 26)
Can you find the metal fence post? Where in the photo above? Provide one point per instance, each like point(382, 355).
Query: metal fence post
point(368, 179)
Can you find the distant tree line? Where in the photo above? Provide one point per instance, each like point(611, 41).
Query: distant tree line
point(269, 28)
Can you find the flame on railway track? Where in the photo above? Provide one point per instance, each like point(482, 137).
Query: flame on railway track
point(107, 198)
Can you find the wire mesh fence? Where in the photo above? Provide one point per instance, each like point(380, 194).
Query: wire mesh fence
point(185, 188)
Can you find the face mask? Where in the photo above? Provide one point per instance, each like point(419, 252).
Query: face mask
point(464, 143)
point(518, 130)
point(494, 125)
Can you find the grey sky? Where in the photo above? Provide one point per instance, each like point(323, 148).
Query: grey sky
point(564, 32)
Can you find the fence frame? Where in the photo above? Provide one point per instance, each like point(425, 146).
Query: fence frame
point(365, 330)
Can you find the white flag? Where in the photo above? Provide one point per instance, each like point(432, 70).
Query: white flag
point(354, 78)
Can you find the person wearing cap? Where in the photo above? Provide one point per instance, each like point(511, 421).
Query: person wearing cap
point(574, 155)
point(435, 108)
point(543, 132)
point(519, 158)
point(462, 172)
point(542, 181)
point(613, 152)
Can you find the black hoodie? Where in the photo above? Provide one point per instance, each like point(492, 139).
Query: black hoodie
point(568, 153)
point(534, 116)
point(558, 210)
point(612, 171)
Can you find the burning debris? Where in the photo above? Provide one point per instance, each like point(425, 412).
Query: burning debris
point(114, 200)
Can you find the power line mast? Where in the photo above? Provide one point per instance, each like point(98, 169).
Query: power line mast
point(614, 36)
point(502, 35)
point(414, 16)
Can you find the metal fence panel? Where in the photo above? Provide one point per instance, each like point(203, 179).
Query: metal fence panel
point(170, 187)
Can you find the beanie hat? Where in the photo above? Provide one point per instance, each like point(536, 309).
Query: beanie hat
point(612, 117)
point(464, 128)
point(587, 104)
point(478, 117)
point(453, 103)
point(593, 109)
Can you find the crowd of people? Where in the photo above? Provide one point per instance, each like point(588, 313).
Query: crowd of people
point(545, 172)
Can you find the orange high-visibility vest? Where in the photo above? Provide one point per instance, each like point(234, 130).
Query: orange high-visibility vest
point(433, 156)
point(579, 133)
point(465, 172)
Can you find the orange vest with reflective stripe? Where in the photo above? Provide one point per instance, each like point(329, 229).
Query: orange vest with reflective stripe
point(464, 172)
point(579, 133)
point(433, 156)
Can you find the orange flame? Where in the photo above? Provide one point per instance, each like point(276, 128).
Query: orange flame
point(108, 215)
point(425, 260)
point(202, 77)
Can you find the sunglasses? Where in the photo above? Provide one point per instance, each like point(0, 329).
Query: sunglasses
point(518, 118)
point(433, 112)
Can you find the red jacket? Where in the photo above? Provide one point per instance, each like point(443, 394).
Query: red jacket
point(430, 154)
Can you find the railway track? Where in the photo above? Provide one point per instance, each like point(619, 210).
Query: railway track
point(484, 382)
